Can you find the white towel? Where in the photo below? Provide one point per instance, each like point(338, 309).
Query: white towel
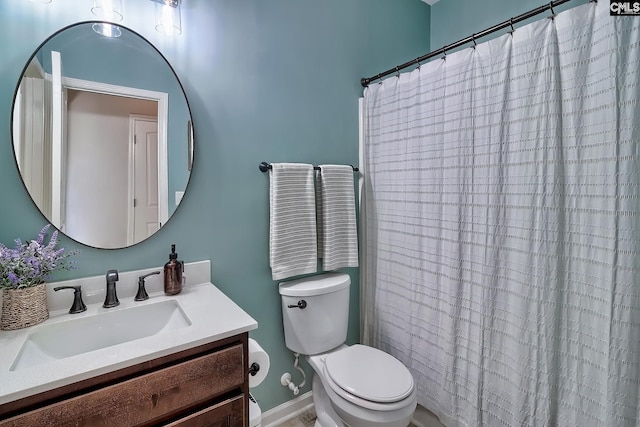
point(337, 233)
point(293, 242)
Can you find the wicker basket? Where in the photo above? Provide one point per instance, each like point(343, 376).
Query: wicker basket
point(24, 307)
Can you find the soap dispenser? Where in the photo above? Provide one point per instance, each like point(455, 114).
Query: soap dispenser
point(173, 274)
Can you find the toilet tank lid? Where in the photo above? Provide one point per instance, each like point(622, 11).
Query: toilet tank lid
point(315, 285)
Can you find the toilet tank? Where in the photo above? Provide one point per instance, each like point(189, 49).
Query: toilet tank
point(322, 324)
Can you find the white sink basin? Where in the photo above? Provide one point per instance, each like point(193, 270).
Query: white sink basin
point(54, 341)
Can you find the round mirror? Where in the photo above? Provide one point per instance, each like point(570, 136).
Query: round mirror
point(102, 135)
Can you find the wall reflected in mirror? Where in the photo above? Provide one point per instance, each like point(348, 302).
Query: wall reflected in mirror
point(99, 136)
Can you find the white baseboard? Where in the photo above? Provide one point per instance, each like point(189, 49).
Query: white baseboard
point(288, 410)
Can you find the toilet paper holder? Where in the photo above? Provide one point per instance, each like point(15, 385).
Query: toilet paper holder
point(253, 369)
point(257, 364)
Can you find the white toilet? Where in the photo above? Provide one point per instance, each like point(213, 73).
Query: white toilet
point(356, 386)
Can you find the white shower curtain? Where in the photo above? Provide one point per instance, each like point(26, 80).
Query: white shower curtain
point(501, 225)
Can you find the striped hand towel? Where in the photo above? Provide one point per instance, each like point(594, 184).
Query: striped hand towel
point(337, 233)
point(292, 220)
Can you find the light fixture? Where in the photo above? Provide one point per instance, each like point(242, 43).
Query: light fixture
point(107, 10)
point(107, 30)
point(168, 17)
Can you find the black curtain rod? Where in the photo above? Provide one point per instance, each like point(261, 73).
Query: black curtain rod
point(264, 166)
point(472, 38)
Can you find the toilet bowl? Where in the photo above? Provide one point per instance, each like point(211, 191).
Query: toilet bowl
point(358, 396)
point(356, 386)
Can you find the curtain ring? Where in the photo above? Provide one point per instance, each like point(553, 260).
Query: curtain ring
point(397, 71)
point(553, 13)
point(512, 29)
point(418, 63)
point(473, 39)
point(444, 54)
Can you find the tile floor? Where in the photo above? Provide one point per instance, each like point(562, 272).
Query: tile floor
point(306, 419)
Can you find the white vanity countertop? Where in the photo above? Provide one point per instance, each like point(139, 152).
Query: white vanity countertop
point(212, 314)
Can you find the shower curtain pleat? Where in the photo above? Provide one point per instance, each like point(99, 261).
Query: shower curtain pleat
point(501, 218)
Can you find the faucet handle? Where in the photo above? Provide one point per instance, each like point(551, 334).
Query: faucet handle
point(147, 275)
point(78, 305)
point(142, 292)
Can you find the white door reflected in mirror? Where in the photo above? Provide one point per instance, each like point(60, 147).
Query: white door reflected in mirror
point(58, 143)
point(145, 178)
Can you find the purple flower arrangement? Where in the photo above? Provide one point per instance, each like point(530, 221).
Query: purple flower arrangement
point(31, 263)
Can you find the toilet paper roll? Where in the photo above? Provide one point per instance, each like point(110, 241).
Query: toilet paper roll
point(257, 355)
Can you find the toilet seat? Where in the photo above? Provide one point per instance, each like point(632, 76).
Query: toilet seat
point(361, 372)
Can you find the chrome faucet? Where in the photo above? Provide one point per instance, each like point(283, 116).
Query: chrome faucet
point(111, 299)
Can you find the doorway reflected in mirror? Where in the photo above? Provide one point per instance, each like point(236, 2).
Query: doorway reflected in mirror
point(98, 136)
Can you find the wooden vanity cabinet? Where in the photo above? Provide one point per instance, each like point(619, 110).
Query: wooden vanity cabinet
point(203, 386)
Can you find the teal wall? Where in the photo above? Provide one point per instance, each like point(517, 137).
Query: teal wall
point(453, 20)
point(273, 80)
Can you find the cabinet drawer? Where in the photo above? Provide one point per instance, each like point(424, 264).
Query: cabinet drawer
point(229, 413)
point(153, 396)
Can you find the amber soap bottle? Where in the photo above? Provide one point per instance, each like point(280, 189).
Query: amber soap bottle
point(173, 274)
